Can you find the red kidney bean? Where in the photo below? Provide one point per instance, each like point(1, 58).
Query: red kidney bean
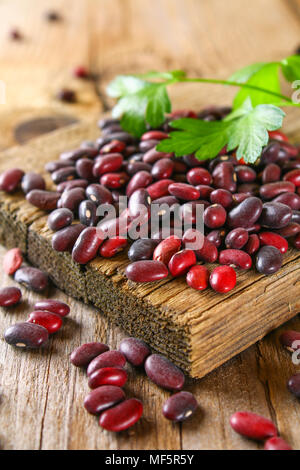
point(166, 249)
point(141, 179)
point(181, 261)
point(72, 198)
point(268, 260)
point(251, 189)
point(32, 278)
point(198, 277)
point(252, 425)
point(112, 246)
point(245, 174)
point(162, 169)
point(289, 231)
point(270, 153)
point(32, 181)
point(66, 185)
point(99, 194)
point(147, 145)
point(10, 296)
point(45, 200)
point(245, 214)
point(216, 237)
point(67, 95)
point(84, 354)
point(296, 242)
point(84, 168)
point(278, 135)
point(205, 191)
point(271, 190)
point(179, 166)
point(192, 161)
point(65, 239)
point(135, 167)
point(208, 252)
point(293, 177)
point(237, 198)
point(170, 201)
point(108, 164)
point(107, 359)
point(294, 385)
point(135, 350)
point(221, 197)
point(78, 153)
point(154, 135)
point(223, 279)
point(188, 212)
point(214, 216)
point(183, 113)
point(238, 258)
point(12, 261)
point(291, 340)
point(184, 191)
point(179, 178)
point(53, 306)
point(146, 271)
point(103, 398)
point(48, 320)
point(180, 406)
point(60, 218)
point(10, 179)
point(64, 174)
point(115, 146)
point(87, 213)
point(142, 249)
point(224, 177)
point(237, 238)
point(271, 173)
point(253, 244)
point(139, 203)
point(122, 416)
point(26, 335)
point(199, 176)
point(121, 136)
point(273, 239)
point(275, 215)
point(289, 199)
point(277, 443)
point(152, 155)
point(87, 245)
point(108, 376)
point(57, 165)
point(164, 373)
point(159, 189)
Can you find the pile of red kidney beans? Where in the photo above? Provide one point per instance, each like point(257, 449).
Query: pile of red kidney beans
point(250, 211)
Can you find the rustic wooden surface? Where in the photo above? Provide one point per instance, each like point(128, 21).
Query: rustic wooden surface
point(41, 396)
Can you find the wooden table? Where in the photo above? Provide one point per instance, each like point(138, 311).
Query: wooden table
point(40, 393)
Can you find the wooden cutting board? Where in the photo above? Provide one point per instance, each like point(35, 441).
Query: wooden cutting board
point(197, 330)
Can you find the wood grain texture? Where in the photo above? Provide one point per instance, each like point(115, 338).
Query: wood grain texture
point(41, 397)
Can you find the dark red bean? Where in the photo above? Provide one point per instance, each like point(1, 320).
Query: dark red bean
point(106, 359)
point(114, 180)
point(45, 200)
point(273, 239)
point(82, 152)
point(139, 204)
point(103, 398)
point(271, 153)
point(159, 189)
point(180, 406)
point(15, 35)
point(145, 147)
point(271, 190)
point(64, 174)
point(32, 278)
point(57, 165)
point(10, 179)
point(221, 197)
point(291, 340)
point(84, 354)
point(108, 376)
point(252, 425)
point(237, 238)
point(122, 416)
point(289, 231)
point(66, 185)
point(54, 306)
point(277, 443)
point(253, 244)
point(198, 277)
point(214, 216)
point(184, 191)
point(113, 246)
point(135, 167)
point(162, 169)
point(81, 72)
point(246, 213)
point(293, 177)
point(278, 135)
point(99, 194)
point(60, 218)
point(84, 168)
point(170, 201)
point(271, 173)
point(87, 213)
point(142, 249)
point(121, 136)
point(199, 176)
point(48, 320)
point(289, 199)
point(32, 181)
point(181, 261)
point(245, 174)
point(224, 177)
point(26, 335)
point(87, 245)
point(152, 155)
point(141, 179)
point(268, 260)
point(191, 211)
point(251, 189)
point(10, 296)
point(154, 135)
point(223, 279)
point(114, 146)
point(296, 242)
point(163, 372)
point(65, 239)
point(135, 350)
point(237, 198)
point(183, 113)
point(67, 95)
point(216, 237)
point(12, 261)
point(238, 258)
point(71, 198)
point(275, 215)
point(205, 192)
point(208, 252)
point(108, 164)
point(179, 166)
point(166, 249)
point(294, 385)
point(146, 271)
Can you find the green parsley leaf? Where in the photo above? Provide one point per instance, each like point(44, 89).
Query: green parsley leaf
point(244, 74)
point(124, 85)
point(291, 68)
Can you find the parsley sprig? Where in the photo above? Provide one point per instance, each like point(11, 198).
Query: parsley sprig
point(143, 101)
